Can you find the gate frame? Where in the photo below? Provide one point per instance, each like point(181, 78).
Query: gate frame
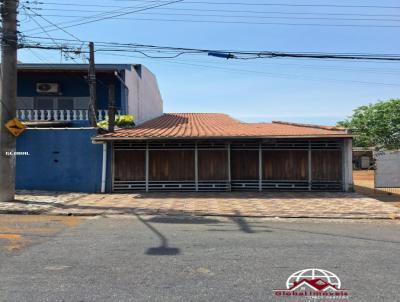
point(346, 162)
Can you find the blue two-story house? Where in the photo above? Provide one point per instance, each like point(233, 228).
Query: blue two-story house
point(53, 100)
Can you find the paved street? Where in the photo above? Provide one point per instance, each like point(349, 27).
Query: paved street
point(165, 258)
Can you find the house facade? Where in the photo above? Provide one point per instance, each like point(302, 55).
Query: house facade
point(214, 152)
point(163, 152)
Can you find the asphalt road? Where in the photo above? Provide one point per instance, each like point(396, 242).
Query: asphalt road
point(193, 259)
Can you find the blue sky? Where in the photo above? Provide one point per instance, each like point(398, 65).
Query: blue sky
point(299, 90)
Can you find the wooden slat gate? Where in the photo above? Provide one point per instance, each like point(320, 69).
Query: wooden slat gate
point(228, 165)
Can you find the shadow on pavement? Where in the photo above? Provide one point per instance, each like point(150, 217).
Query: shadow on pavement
point(242, 223)
point(163, 249)
point(378, 194)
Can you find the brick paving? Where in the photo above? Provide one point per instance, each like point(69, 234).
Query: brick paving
point(273, 204)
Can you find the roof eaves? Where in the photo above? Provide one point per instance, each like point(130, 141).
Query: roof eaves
point(71, 67)
point(333, 128)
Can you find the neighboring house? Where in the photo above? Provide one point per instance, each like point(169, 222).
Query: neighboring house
point(53, 99)
point(363, 158)
point(214, 152)
point(60, 92)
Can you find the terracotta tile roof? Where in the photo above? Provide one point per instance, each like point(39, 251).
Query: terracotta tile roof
point(217, 125)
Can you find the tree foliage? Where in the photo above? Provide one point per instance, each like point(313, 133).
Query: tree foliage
point(376, 125)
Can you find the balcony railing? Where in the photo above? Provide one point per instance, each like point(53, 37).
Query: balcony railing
point(60, 115)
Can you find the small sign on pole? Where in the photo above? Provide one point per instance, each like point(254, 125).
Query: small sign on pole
point(15, 126)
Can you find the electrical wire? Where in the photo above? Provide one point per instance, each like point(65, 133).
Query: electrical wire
point(53, 24)
point(113, 14)
point(107, 13)
point(275, 4)
point(135, 45)
point(242, 22)
point(235, 16)
point(296, 64)
point(37, 56)
point(44, 30)
point(235, 54)
point(224, 11)
point(124, 13)
point(110, 15)
point(269, 74)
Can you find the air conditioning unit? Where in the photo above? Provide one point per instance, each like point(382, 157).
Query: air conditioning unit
point(48, 88)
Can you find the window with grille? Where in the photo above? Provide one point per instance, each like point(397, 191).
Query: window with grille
point(53, 103)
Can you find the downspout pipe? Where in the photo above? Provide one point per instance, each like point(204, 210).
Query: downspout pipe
point(104, 169)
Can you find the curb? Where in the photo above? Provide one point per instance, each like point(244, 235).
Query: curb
point(23, 212)
point(44, 212)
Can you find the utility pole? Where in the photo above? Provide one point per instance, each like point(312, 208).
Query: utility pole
point(8, 97)
point(111, 107)
point(92, 87)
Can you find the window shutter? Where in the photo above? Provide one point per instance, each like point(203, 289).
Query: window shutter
point(24, 103)
point(81, 103)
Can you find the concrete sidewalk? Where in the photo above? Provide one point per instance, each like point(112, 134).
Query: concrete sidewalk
point(273, 204)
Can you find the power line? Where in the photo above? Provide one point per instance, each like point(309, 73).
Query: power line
point(118, 14)
point(234, 54)
point(228, 11)
point(125, 13)
point(296, 64)
point(233, 16)
point(282, 75)
point(243, 22)
point(44, 30)
point(216, 21)
point(48, 34)
point(53, 24)
point(275, 4)
point(269, 63)
point(136, 45)
point(37, 56)
point(75, 4)
point(107, 15)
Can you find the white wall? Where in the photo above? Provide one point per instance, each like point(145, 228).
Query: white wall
point(387, 173)
point(131, 81)
point(144, 98)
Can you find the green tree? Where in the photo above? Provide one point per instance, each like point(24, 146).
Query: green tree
point(376, 125)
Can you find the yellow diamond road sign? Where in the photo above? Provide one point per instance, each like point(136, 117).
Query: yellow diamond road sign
point(15, 126)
